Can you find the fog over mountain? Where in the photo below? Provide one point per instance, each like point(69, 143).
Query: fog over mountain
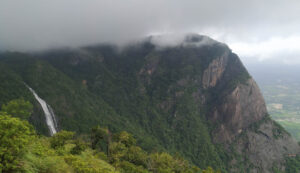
point(149, 86)
point(256, 30)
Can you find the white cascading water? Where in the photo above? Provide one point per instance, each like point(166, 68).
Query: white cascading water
point(49, 114)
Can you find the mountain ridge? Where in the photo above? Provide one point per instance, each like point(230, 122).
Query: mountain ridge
point(196, 99)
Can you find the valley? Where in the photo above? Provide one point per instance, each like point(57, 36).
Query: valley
point(280, 86)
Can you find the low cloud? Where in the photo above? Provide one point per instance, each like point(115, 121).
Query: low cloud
point(180, 39)
point(277, 49)
point(28, 25)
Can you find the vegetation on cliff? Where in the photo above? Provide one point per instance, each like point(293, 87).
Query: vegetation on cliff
point(99, 86)
point(157, 95)
point(22, 150)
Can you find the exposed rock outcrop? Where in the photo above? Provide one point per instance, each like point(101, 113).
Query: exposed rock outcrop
point(241, 121)
point(266, 146)
point(214, 71)
point(240, 108)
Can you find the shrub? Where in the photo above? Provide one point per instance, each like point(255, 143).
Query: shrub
point(15, 135)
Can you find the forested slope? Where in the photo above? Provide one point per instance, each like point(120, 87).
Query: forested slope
point(196, 99)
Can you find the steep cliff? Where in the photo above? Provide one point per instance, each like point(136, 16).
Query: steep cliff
point(240, 118)
point(195, 99)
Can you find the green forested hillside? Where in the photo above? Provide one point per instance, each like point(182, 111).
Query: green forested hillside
point(156, 95)
point(99, 85)
point(21, 150)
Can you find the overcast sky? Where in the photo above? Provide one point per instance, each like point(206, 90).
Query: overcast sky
point(257, 30)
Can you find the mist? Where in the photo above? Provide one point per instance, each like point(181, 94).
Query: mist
point(256, 30)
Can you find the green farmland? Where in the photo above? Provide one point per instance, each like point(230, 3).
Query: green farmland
point(281, 89)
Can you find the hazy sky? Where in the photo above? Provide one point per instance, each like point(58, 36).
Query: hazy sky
point(258, 30)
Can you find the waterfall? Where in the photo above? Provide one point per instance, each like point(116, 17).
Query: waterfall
point(48, 111)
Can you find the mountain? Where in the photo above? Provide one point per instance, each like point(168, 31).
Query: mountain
point(195, 99)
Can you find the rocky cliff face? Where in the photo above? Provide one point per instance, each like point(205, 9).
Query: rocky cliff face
point(239, 109)
point(214, 71)
point(266, 147)
point(243, 123)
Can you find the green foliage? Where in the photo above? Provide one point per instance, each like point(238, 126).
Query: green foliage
point(240, 79)
point(127, 167)
point(41, 157)
point(276, 170)
point(11, 85)
point(22, 151)
point(293, 127)
point(163, 162)
point(278, 130)
point(100, 138)
point(88, 165)
point(18, 108)
point(59, 139)
point(130, 158)
point(80, 146)
point(69, 99)
point(210, 170)
point(292, 164)
point(255, 126)
point(15, 135)
point(153, 94)
point(48, 163)
point(136, 156)
point(117, 152)
point(125, 138)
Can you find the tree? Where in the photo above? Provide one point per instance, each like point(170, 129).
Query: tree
point(79, 147)
point(160, 163)
point(210, 170)
point(117, 152)
point(136, 156)
point(15, 135)
point(165, 163)
point(18, 108)
point(125, 138)
point(127, 167)
point(100, 138)
point(60, 138)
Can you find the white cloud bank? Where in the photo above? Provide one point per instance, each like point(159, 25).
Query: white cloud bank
point(277, 49)
point(257, 29)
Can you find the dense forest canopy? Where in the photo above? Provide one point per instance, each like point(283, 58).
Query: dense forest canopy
point(22, 150)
